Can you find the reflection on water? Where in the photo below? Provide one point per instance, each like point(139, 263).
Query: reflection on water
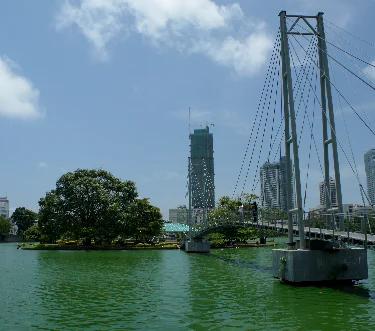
point(169, 290)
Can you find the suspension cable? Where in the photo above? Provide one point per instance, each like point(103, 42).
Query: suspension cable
point(274, 53)
point(338, 62)
point(329, 80)
point(343, 115)
point(348, 42)
point(312, 124)
point(299, 93)
point(270, 90)
point(263, 134)
point(332, 130)
point(353, 90)
point(353, 35)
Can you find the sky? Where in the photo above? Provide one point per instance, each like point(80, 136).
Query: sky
point(108, 84)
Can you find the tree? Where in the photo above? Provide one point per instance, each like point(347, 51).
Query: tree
point(24, 218)
point(5, 226)
point(51, 218)
point(32, 233)
point(88, 204)
point(147, 220)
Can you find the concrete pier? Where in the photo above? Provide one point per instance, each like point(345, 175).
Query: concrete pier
point(314, 265)
point(196, 246)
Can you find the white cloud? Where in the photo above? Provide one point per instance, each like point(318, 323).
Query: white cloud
point(222, 33)
point(42, 165)
point(18, 97)
point(370, 70)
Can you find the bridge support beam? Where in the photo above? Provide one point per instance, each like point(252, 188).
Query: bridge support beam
point(331, 265)
point(197, 246)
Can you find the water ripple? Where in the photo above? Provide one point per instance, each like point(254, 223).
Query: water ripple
point(229, 289)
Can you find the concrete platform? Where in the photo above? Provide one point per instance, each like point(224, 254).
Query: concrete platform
point(197, 246)
point(300, 266)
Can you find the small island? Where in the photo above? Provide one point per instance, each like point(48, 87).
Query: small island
point(93, 210)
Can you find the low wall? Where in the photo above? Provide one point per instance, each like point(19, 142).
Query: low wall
point(12, 238)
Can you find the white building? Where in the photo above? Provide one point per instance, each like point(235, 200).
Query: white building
point(4, 207)
point(370, 173)
point(350, 210)
point(14, 229)
point(273, 185)
point(332, 193)
point(178, 215)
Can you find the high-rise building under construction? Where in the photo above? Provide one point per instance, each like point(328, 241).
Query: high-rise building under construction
point(202, 169)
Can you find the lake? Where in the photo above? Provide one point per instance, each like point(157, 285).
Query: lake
point(228, 289)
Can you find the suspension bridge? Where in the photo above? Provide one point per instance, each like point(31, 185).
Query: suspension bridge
point(314, 65)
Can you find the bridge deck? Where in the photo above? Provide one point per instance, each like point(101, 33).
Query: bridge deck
point(324, 232)
point(312, 232)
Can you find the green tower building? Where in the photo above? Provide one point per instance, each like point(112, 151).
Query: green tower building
point(202, 169)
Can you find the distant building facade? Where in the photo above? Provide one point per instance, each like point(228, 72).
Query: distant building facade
point(273, 185)
point(4, 207)
point(332, 193)
point(370, 173)
point(178, 215)
point(350, 210)
point(202, 169)
point(14, 229)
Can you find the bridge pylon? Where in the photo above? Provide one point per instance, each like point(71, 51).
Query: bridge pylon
point(313, 260)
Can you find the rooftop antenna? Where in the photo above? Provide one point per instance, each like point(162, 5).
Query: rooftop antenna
point(189, 121)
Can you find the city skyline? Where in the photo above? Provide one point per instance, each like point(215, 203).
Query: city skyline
point(92, 84)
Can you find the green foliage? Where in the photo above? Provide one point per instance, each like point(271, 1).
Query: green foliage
point(237, 234)
point(247, 234)
point(94, 205)
point(5, 226)
point(216, 239)
point(32, 233)
point(146, 221)
point(24, 218)
point(283, 263)
point(227, 208)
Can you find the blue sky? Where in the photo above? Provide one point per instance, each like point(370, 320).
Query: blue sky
point(108, 83)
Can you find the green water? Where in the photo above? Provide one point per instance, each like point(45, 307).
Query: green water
point(229, 289)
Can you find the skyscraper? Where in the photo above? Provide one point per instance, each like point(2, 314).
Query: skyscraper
point(332, 193)
point(202, 169)
point(283, 185)
point(370, 173)
point(4, 207)
point(273, 185)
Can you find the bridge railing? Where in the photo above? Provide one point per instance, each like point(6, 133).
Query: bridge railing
point(320, 224)
point(355, 223)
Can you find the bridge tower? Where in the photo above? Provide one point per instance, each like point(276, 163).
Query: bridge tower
point(290, 124)
point(312, 264)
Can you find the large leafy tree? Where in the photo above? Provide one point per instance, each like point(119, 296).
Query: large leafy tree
point(147, 220)
point(32, 233)
point(87, 204)
point(24, 218)
point(5, 226)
